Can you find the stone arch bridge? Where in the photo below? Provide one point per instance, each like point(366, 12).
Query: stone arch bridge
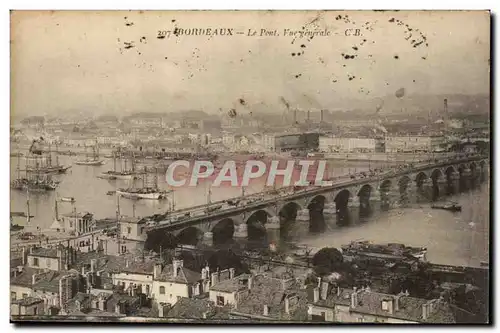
point(421, 183)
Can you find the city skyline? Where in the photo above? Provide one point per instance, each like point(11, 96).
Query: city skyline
point(90, 68)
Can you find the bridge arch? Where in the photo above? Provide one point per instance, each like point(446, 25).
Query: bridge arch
point(341, 203)
point(256, 225)
point(436, 177)
point(190, 236)
point(364, 195)
point(420, 179)
point(482, 170)
point(223, 231)
point(316, 203)
point(449, 173)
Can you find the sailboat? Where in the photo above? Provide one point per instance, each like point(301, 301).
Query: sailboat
point(34, 180)
point(95, 161)
point(48, 168)
point(124, 174)
point(147, 191)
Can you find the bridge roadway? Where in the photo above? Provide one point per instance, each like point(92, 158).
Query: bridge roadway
point(187, 221)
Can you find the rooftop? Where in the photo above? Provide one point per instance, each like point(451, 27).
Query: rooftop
point(232, 285)
point(28, 301)
point(195, 308)
point(78, 215)
point(369, 302)
point(185, 275)
point(44, 252)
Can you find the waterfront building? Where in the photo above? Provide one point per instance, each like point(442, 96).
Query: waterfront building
point(297, 142)
point(347, 144)
point(78, 223)
point(132, 228)
point(414, 143)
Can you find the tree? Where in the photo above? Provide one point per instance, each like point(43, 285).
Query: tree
point(223, 259)
point(159, 240)
point(327, 260)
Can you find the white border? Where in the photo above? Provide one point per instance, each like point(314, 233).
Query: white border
point(186, 4)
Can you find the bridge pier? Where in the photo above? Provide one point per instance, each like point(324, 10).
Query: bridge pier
point(330, 209)
point(442, 185)
point(303, 215)
point(408, 196)
point(375, 196)
point(454, 182)
point(353, 202)
point(241, 231)
point(208, 238)
point(466, 179)
point(273, 223)
point(424, 193)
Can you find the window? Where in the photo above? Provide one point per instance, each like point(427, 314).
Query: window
point(360, 320)
point(25, 295)
point(220, 300)
point(162, 290)
point(129, 230)
point(35, 262)
point(48, 262)
point(147, 289)
point(142, 230)
point(35, 311)
point(13, 295)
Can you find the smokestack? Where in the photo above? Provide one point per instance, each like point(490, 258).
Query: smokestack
point(445, 116)
point(295, 116)
point(308, 115)
point(321, 115)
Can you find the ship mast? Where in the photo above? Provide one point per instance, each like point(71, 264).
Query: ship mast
point(114, 161)
point(28, 215)
point(56, 209)
point(118, 227)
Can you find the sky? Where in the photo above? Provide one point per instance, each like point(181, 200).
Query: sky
point(65, 62)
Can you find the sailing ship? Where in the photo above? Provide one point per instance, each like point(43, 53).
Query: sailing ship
point(42, 164)
point(34, 180)
point(149, 190)
point(124, 174)
point(94, 161)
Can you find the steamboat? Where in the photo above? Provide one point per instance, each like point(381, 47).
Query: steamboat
point(94, 161)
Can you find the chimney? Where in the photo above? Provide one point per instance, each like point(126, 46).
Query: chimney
point(295, 116)
point(24, 256)
point(157, 271)
point(118, 308)
point(319, 282)
point(33, 279)
point(316, 295)
point(250, 282)
point(177, 266)
point(214, 278)
point(31, 249)
point(93, 265)
point(266, 310)
point(431, 306)
point(368, 289)
point(425, 312)
point(287, 305)
point(207, 269)
point(324, 290)
point(204, 314)
point(83, 270)
point(231, 273)
point(203, 273)
point(127, 263)
point(308, 115)
point(388, 305)
point(338, 291)
point(102, 304)
point(354, 298)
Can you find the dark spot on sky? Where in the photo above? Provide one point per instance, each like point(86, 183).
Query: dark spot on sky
point(413, 80)
point(424, 58)
point(293, 54)
point(176, 31)
point(343, 65)
point(298, 75)
point(302, 46)
point(173, 21)
point(391, 20)
point(396, 57)
point(166, 57)
point(139, 53)
point(242, 101)
point(125, 18)
point(334, 81)
point(129, 24)
point(355, 48)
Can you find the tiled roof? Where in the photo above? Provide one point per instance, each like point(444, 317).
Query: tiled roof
point(86, 307)
point(50, 281)
point(231, 285)
point(185, 275)
point(27, 301)
point(369, 302)
point(24, 278)
point(79, 215)
point(44, 252)
point(190, 308)
point(271, 292)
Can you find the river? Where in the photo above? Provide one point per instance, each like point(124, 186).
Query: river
point(451, 238)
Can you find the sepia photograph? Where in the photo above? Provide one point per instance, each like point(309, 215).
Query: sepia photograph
point(250, 167)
